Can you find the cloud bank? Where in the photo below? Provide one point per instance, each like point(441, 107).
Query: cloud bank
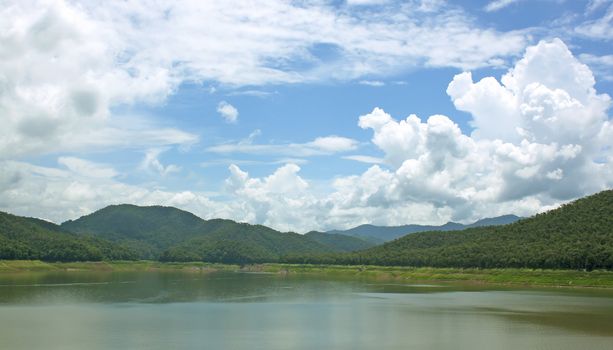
point(542, 136)
point(66, 65)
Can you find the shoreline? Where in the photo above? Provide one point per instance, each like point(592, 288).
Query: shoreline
point(503, 276)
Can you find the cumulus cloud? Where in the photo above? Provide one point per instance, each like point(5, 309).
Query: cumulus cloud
point(279, 200)
point(539, 134)
point(557, 134)
point(534, 100)
point(227, 111)
point(555, 146)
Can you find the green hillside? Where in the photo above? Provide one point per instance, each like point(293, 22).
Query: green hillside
point(338, 242)
point(172, 234)
point(149, 230)
point(243, 243)
point(29, 238)
point(578, 235)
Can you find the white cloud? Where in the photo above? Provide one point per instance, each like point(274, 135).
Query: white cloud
point(333, 144)
point(602, 66)
point(58, 194)
point(366, 2)
point(152, 163)
point(229, 161)
point(66, 65)
point(431, 172)
point(60, 76)
point(431, 5)
point(499, 5)
point(320, 146)
point(535, 100)
point(254, 93)
point(594, 5)
point(600, 28)
point(557, 134)
point(82, 167)
point(227, 111)
point(280, 200)
point(365, 159)
point(538, 136)
point(374, 83)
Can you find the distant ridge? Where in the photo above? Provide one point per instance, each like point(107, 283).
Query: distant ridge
point(381, 234)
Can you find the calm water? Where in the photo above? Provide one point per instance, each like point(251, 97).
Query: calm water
point(152, 310)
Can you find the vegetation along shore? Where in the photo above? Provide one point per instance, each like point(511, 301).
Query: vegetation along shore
point(397, 274)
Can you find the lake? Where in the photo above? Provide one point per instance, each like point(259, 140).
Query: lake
point(224, 310)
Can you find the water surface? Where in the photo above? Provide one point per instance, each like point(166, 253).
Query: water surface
point(177, 310)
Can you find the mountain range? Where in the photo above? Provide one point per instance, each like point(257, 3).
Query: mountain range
point(576, 235)
point(381, 234)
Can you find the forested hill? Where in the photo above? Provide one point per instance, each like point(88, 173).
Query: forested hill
point(338, 242)
point(173, 234)
point(28, 238)
point(578, 235)
point(150, 230)
point(380, 234)
point(244, 243)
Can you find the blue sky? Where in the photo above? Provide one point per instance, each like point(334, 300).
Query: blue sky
point(295, 114)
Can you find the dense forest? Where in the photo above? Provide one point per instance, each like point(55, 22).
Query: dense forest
point(34, 239)
point(244, 243)
point(578, 235)
point(339, 242)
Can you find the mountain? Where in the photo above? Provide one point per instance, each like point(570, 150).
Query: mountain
point(29, 238)
point(578, 235)
point(147, 229)
point(381, 234)
point(338, 242)
point(172, 234)
point(499, 220)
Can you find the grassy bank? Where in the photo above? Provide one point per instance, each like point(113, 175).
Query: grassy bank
point(17, 266)
point(527, 277)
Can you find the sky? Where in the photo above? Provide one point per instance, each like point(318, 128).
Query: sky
point(305, 115)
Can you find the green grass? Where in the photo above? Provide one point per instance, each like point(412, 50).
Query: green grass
point(526, 277)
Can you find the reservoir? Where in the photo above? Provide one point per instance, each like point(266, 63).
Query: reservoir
point(227, 310)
